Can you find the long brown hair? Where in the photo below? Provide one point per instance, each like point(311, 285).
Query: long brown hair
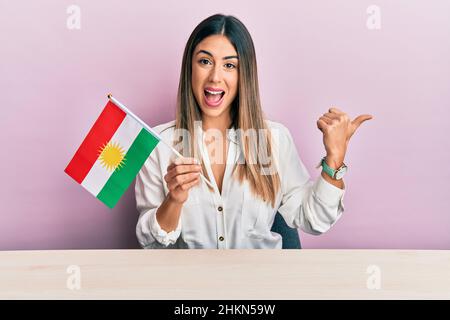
point(246, 112)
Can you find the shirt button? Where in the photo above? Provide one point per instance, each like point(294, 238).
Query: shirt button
point(221, 238)
point(220, 209)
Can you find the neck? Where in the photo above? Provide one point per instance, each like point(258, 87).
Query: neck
point(220, 123)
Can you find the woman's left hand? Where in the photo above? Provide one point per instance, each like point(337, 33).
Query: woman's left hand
point(337, 130)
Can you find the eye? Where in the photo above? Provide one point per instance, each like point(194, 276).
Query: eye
point(204, 61)
point(230, 66)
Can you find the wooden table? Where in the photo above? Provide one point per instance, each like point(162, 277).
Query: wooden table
point(225, 274)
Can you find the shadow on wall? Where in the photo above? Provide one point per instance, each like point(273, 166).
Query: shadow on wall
point(127, 217)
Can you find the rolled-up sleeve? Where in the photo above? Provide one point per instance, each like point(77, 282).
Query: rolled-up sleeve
point(313, 206)
point(149, 192)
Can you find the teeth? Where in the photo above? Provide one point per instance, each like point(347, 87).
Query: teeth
point(214, 92)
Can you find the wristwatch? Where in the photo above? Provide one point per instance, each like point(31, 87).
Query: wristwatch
point(334, 174)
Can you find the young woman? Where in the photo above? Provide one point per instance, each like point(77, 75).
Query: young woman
point(252, 163)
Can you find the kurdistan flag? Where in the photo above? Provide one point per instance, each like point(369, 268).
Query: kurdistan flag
point(112, 154)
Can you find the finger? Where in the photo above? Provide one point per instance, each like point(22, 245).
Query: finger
point(332, 116)
point(327, 120)
point(182, 179)
point(186, 160)
point(335, 110)
point(187, 181)
point(360, 119)
point(183, 160)
point(182, 169)
point(171, 165)
point(190, 184)
point(321, 124)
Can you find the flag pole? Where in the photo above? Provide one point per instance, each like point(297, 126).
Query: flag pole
point(152, 132)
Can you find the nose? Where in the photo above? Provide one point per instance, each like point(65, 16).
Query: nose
point(215, 75)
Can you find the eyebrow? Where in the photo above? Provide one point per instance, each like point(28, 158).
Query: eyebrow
point(224, 58)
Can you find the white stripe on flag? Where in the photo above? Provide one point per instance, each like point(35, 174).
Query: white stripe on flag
point(124, 136)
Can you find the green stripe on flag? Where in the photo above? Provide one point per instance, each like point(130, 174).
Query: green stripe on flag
point(121, 178)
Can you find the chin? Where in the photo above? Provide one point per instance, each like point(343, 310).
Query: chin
point(213, 112)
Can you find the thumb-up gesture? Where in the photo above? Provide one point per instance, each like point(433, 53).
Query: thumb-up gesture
point(337, 129)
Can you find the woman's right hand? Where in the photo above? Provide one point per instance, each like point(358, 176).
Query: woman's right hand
point(182, 175)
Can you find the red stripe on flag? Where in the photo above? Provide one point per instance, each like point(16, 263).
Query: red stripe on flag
point(101, 133)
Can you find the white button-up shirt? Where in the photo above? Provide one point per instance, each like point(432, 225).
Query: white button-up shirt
point(235, 218)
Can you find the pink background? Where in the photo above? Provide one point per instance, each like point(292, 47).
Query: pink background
point(311, 55)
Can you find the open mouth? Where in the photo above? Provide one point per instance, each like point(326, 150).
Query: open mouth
point(213, 97)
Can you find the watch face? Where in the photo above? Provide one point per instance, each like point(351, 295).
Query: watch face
point(340, 173)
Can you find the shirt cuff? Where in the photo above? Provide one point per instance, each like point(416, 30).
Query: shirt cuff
point(162, 236)
point(328, 193)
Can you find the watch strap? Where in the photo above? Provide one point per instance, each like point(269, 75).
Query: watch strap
point(328, 170)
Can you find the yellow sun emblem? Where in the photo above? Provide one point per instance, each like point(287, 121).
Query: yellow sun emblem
point(112, 156)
